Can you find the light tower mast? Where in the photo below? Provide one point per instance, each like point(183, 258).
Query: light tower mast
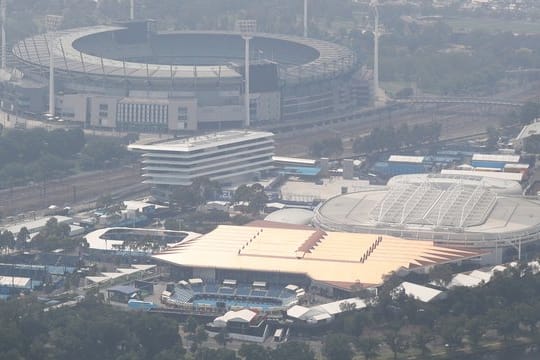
point(305, 18)
point(374, 4)
point(246, 28)
point(132, 10)
point(4, 45)
point(52, 23)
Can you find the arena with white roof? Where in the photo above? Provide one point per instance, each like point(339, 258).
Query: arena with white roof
point(463, 211)
point(278, 253)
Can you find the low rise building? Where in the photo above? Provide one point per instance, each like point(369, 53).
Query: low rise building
point(232, 156)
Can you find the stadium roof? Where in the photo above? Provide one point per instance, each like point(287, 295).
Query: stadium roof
point(339, 259)
point(201, 142)
point(494, 184)
point(509, 176)
point(291, 216)
point(457, 210)
point(34, 50)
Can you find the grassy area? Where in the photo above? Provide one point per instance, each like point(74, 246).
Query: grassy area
point(392, 87)
point(493, 25)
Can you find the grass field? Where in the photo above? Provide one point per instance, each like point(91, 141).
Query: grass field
point(493, 25)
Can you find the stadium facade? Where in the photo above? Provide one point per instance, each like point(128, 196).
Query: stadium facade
point(458, 211)
point(132, 78)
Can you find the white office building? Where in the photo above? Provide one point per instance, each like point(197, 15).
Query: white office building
point(228, 157)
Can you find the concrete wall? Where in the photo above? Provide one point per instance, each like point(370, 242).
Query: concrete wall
point(73, 107)
point(220, 113)
point(108, 121)
point(191, 105)
point(268, 107)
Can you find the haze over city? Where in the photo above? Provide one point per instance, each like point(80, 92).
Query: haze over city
point(271, 179)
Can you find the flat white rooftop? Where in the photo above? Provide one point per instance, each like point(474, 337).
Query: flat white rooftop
point(496, 157)
point(406, 159)
point(202, 142)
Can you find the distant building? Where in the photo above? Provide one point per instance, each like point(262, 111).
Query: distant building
point(131, 77)
point(525, 133)
point(228, 157)
point(467, 211)
point(286, 254)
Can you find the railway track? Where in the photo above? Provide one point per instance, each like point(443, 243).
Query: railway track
point(70, 190)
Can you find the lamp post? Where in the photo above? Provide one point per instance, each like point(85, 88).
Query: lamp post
point(4, 54)
point(52, 24)
point(246, 29)
point(132, 10)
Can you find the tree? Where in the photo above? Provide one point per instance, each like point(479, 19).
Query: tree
point(475, 329)
point(7, 239)
point(293, 350)
point(185, 198)
point(451, 330)
point(222, 338)
point(215, 354)
point(174, 353)
point(253, 194)
point(505, 322)
point(396, 342)
point(104, 201)
point(441, 274)
point(369, 347)
point(200, 335)
point(421, 340)
point(492, 138)
point(337, 347)
point(171, 224)
point(257, 202)
point(191, 325)
point(22, 236)
point(254, 352)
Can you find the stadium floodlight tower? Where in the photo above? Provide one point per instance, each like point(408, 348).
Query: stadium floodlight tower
point(132, 10)
point(52, 24)
point(379, 96)
point(4, 54)
point(305, 18)
point(246, 29)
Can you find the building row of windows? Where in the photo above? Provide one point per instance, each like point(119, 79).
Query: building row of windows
point(219, 163)
point(232, 169)
point(143, 113)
